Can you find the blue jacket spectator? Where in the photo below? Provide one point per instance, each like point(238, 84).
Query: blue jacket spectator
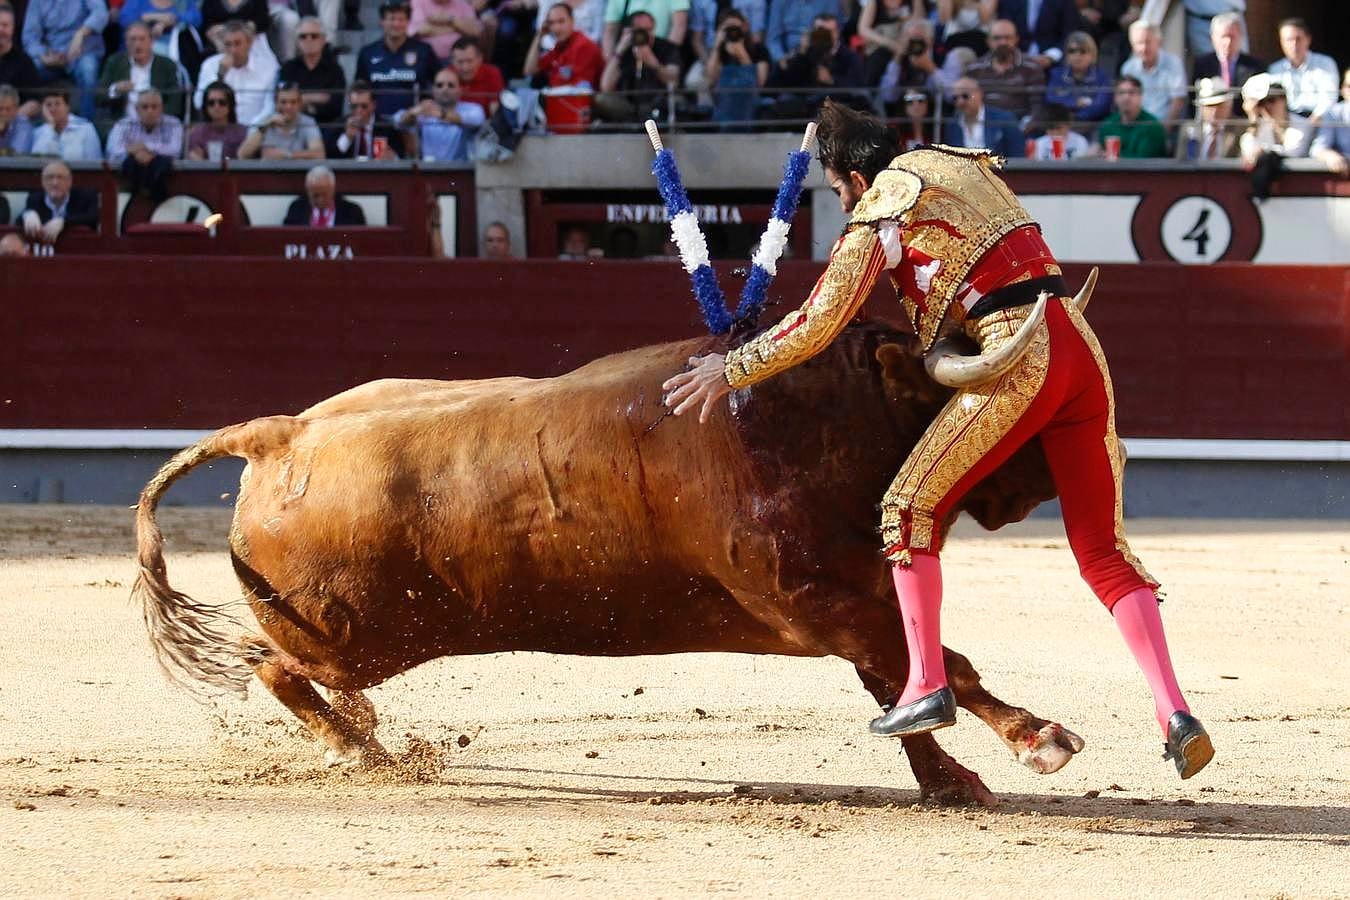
point(1078, 83)
point(790, 21)
point(979, 125)
point(65, 39)
point(166, 24)
point(178, 12)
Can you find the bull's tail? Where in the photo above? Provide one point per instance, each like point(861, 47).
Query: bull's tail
point(190, 639)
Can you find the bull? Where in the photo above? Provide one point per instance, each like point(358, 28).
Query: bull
point(405, 520)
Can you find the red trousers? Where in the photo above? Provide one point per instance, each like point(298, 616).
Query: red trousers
point(1059, 391)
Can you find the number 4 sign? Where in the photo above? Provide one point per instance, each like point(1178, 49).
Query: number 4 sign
point(1196, 230)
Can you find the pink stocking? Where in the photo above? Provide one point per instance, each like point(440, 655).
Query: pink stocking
point(919, 587)
point(1136, 616)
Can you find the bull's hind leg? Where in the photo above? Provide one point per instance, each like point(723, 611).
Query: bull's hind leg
point(348, 741)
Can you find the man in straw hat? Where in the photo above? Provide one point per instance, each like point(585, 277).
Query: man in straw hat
point(965, 256)
point(1215, 139)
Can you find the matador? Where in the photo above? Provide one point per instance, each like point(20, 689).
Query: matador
point(965, 256)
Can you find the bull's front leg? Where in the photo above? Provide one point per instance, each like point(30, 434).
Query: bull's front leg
point(1038, 744)
point(941, 779)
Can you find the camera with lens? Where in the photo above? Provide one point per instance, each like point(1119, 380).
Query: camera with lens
point(734, 34)
point(916, 47)
point(641, 37)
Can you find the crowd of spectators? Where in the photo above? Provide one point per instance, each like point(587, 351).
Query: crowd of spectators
point(152, 81)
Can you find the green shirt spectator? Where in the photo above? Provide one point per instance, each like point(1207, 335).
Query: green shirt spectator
point(1141, 135)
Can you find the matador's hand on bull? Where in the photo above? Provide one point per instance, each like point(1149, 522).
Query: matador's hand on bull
point(704, 382)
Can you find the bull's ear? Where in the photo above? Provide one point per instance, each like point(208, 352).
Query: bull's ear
point(893, 363)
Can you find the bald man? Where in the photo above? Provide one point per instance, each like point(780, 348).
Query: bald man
point(58, 205)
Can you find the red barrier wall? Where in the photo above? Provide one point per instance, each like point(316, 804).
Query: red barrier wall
point(1229, 351)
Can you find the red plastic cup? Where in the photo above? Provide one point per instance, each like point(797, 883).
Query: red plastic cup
point(1056, 147)
point(380, 146)
point(1031, 148)
point(1112, 144)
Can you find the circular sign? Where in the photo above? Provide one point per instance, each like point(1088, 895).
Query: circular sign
point(181, 208)
point(1196, 230)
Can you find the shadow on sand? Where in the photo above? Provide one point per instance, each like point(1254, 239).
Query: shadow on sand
point(1324, 825)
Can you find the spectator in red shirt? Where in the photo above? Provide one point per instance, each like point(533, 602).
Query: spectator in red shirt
point(562, 55)
point(479, 82)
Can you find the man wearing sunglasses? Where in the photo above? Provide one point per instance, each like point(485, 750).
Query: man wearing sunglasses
point(365, 136)
point(315, 69)
point(443, 127)
point(978, 125)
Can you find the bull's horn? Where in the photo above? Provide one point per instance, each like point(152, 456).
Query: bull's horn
point(1085, 292)
point(948, 367)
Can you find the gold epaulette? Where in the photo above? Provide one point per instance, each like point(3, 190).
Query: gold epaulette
point(893, 192)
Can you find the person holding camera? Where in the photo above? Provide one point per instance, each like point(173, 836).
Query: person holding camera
point(880, 25)
point(637, 76)
point(737, 68)
point(913, 65)
point(705, 20)
point(821, 69)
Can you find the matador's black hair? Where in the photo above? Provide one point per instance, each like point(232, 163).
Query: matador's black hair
point(851, 141)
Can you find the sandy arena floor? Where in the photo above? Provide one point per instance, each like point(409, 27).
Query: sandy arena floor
point(723, 773)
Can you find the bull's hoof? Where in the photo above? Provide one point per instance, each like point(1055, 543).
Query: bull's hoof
point(346, 758)
point(371, 756)
point(958, 786)
point(1050, 749)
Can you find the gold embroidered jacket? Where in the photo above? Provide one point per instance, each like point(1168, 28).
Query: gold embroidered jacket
point(949, 207)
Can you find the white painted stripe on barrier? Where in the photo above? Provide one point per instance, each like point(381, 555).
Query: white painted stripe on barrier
point(98, 438)
point(1137, 448)
point(1251, 451)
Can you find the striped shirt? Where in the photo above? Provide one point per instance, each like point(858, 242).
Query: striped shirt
point(165, 139)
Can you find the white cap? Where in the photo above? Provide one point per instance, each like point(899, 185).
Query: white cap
point(1260, 86)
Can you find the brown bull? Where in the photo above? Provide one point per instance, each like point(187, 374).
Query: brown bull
point(406, 520)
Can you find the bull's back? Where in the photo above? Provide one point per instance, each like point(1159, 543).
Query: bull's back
point(515, 507)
